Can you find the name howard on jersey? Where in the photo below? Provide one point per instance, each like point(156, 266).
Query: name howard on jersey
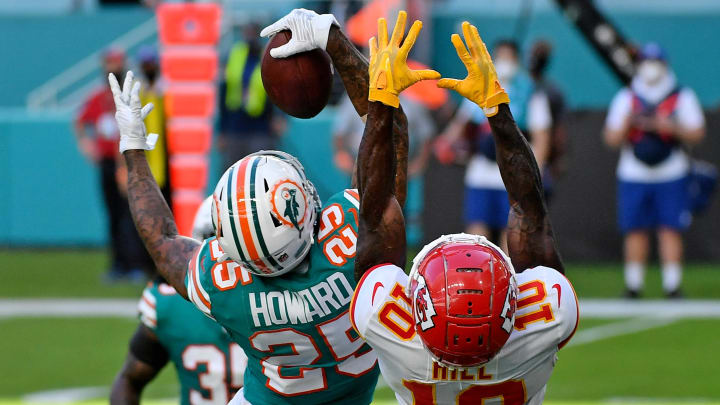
point(319, 300)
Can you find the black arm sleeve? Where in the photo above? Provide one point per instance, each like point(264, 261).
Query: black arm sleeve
point(145, 346)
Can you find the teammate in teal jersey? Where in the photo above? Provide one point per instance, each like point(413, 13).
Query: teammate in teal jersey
point(278, 275)
point(209, 365)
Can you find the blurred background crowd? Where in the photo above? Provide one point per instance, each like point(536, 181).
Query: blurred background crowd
point(618, 99)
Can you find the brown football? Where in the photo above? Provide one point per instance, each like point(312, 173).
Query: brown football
point(299, 84)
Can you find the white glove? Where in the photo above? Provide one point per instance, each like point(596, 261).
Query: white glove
point(309, 31)
point(130, 114)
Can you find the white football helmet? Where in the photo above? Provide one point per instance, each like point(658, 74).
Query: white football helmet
point(202, 224)
point(264, 211)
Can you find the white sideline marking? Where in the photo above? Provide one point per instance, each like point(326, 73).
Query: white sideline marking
point(127, 307)
point(601, 308)
point(621, 328)
point(65, 396)
point(68, 308)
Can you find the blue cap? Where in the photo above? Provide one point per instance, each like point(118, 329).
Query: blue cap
point(653, 50)
point(147, 53)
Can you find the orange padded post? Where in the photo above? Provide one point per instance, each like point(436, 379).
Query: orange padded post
point(188, 136)
point(188, 172)
point(189, 33)
point(189, 23)
point(184, 205)
point(190, 100)
point(189, 64)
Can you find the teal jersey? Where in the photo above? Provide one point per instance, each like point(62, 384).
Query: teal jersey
point(210, 366)
point(294, 328)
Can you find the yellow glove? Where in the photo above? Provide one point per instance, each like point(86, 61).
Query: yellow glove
point(389, 73)
point(481, 85)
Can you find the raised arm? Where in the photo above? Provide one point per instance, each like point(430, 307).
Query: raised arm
point(530, 237)
point(324, 32)
point(381, 236)
point(151, 214)
point(144, 361)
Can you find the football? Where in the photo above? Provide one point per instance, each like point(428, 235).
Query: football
point(299, 84)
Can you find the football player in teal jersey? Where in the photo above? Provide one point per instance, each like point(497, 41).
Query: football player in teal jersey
point(279, 275)
point(209, 365)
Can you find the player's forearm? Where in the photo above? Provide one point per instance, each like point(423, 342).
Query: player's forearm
point(530, 236)
point(381, 234)
point(376, 164)
point(517, 163)
point(155, 222)
point(353, 69)
point(401, 145)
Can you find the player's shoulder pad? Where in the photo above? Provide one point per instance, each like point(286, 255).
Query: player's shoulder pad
point(540, 287)
point(347, 198)
point(372, 291)
point(147, 306)
point(198, 279)
point(340, 210)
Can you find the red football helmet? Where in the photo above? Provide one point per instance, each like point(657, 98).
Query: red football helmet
point(464, 297)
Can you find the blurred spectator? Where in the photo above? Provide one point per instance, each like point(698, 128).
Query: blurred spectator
point(539, 60)
point(486, 202)
point(246, 115)
point(651, 122)
point(347, 134)
point(97, 135)
point(153, 92)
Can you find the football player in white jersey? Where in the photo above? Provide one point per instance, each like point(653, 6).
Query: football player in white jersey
point(464, 327)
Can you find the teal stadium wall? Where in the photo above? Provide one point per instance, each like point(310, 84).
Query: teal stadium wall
point(51, 195)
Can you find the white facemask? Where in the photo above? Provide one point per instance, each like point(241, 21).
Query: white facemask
point(651, 71)
point(505, 70)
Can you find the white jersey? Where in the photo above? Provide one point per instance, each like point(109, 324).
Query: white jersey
point(546, 318)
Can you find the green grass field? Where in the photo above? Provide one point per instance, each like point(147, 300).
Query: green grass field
point(675, 363)
point(78, 273)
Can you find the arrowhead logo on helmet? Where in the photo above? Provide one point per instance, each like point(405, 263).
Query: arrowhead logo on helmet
point(287, 194)
point(424, 308)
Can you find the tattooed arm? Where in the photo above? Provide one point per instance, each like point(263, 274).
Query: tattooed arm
point(353, 69)
point(381, 235)
point(137, 373)
point(529, 233)
point(155, 223)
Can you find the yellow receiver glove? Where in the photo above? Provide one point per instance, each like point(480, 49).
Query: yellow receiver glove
point(481, 85)
point(389, 73)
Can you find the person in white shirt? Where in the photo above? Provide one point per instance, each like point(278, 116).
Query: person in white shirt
point(486, 204)
point(651, 122)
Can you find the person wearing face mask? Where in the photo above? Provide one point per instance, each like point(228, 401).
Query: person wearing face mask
point(247, 120)
point(486, 204)
point(651, 122)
